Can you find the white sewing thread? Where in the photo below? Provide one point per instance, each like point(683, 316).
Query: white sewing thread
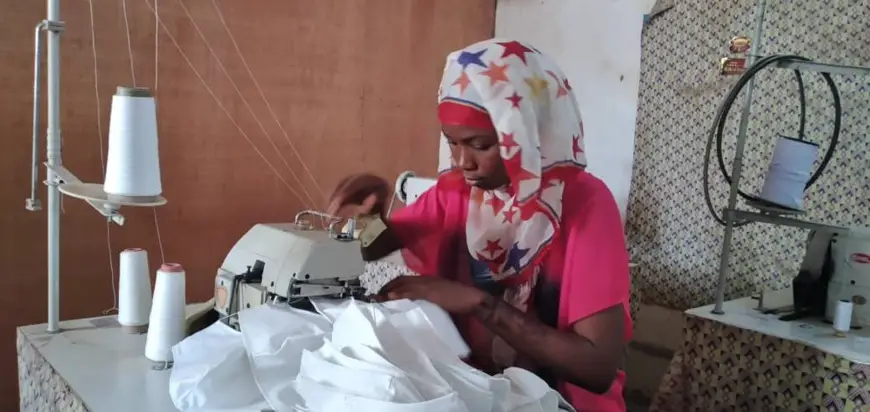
point(226, 73)
point(102, 156)
point(263, 96)
point(156, 80)
point(129, 41)
point(324, 223)
point(156, 46)
point(222, 107)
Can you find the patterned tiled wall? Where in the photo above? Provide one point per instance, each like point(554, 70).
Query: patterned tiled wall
point(669, 229)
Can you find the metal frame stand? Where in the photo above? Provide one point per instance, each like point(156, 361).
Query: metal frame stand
point(737, 166)
point(731, 213)
point(53, 153)
point(56, 174)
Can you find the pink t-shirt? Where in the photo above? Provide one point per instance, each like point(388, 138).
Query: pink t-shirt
point(584, 274)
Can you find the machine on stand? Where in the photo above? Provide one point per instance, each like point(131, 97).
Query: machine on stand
point(836, 266)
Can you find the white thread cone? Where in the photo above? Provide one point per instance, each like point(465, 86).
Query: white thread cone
point(133, 165)
point(843, 316)
point(166, 323)
point(134, 291)
point(790, 170)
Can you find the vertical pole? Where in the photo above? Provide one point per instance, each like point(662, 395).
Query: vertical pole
point(53, 144)
point(737, 166)
point(32, 203)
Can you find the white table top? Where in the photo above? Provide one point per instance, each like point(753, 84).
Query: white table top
point(105, 367)
point(811, 332)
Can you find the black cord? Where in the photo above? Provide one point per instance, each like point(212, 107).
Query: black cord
point(803, 99)
point(717, 130)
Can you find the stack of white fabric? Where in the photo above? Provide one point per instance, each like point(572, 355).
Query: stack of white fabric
point(399, 356)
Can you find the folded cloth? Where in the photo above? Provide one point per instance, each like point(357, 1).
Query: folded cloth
point(211, 372)
point(275, 337)
point(402, 356)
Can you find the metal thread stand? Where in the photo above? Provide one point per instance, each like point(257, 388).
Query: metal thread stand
point(53, 153)
point(56, 173)
point(731, 213)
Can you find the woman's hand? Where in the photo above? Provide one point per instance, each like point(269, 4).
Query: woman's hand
point(454, 297)
point(361, 194)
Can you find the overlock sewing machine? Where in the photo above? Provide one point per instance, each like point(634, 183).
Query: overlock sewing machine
point(291, 262)
point(836, 267)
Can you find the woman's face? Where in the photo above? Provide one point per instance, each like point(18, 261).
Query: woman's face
point(476, 153)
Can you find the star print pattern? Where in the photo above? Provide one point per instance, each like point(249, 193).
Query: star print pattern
point(515, 168)
point(492, 247)
point(508, 142)
point(509, 229)
point(496, 73)
point(576, 147)
point(462, 81)
point(537, 86)
point(515, 100)
point(515, 48)
point(496, 203)
point(562, 89)
point(467, 58)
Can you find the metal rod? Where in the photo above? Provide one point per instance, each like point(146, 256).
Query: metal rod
point(737, 166)
point(787, 221)
point(32, 202)
point(53, 152)
point(823, 68)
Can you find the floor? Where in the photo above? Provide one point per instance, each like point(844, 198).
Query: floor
point(635, 406)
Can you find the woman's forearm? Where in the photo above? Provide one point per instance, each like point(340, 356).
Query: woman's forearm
point(570, 356)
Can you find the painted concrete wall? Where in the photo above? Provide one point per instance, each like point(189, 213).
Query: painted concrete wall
point(598, 46)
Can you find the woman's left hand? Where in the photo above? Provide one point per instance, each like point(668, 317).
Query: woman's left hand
point(454, 297)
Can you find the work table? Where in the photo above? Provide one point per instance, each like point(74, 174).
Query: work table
point(812, 332)
point(746, 360)
point(91, 365)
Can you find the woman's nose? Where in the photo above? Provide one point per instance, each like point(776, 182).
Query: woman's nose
point(465, 160)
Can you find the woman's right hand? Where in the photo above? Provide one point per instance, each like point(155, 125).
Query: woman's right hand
point(359, 194)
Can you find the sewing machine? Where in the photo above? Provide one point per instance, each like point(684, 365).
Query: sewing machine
point(287, 262)
point(290, 262)
point(850, 279)
point(836, 266)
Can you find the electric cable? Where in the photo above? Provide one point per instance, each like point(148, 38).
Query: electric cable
point(721, 117)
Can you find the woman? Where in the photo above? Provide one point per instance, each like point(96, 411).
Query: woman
point(521, 245)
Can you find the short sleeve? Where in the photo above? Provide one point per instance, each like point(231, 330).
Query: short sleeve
point(418, 226)
point(595, 274)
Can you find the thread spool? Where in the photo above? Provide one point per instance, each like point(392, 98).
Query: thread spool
point(133, 165)
point(166, 323)
point(843, 317)
point(134, 291)
point(790, 170)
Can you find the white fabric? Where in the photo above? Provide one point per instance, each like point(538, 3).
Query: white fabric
point(356, 357)
point(432, 318)
point(212, 372)
point(275, 338)
point(369, 326)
